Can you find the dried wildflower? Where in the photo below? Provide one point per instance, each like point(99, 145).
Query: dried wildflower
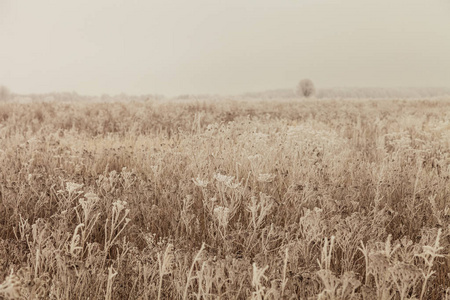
point(91, 197)
point(72, 187)
point(405, 277)
point(200, 182)
point(267, 177)
point(233, 185)
point(10, 288)
point(227, 180)
point(222, 215)
point(312, 225)
point(116, 223)
point(330, 282)
point(120, 205)
point(223, 178)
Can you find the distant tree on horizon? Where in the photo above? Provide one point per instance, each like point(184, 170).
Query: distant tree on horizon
point(305, 88)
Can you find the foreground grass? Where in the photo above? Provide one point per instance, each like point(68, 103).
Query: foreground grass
point(225, 200)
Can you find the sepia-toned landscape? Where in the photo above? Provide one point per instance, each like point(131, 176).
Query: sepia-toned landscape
point(239, 199)
point(225, 150)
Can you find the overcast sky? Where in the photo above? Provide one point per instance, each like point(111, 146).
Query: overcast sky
point(191, 46)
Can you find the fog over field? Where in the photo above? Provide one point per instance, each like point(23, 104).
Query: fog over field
point(225, 149)
point(227, 47)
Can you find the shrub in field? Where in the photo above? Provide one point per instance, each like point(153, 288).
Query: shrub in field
point(305, 88)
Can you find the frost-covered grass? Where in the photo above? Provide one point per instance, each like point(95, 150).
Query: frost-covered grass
point(290, 199)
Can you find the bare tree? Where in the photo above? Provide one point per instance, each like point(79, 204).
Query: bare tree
point(305, 88)
point(4, 93)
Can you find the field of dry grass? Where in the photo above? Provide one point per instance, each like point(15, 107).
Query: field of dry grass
point(296, 199)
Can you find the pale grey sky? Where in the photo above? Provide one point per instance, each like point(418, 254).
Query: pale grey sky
point(204, 46)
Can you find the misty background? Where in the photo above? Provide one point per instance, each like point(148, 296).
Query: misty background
point(222, 47)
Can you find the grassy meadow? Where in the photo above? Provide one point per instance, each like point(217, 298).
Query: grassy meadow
point(290, 199)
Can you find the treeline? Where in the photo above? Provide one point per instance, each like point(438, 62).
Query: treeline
point(75, 97)
point(381, 93)
point(325, 93)
point(352, 93)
